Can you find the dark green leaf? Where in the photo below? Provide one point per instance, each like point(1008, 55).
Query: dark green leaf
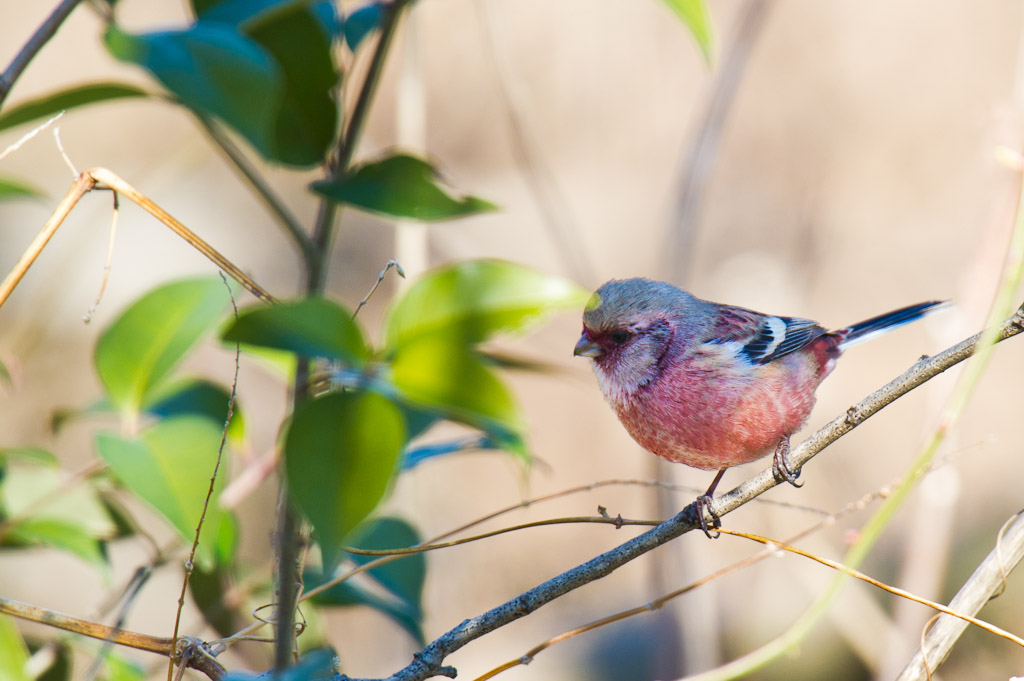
point(294, 34)
point(62, 100)
point(149, 339)
point(341, 453)
point(201, 398)
point(695, 15)
point(5, 375)
point(404, 577)
point(361, 23)
point(65, 415)
point(401, 186)
point(439, 374)
point(59, 667)
point(209, 590)
point(472, 300)
point(348, 593)
point(13, 652)
point(169, 467)
point(313, 327)
point(15, 189)
point(214, 69)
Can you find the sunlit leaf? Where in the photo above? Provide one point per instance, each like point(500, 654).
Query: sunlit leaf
point(697, 18)
point(361, 23)
point(475, 299)
point(116, 668)
point(442, 375)
point(400, 186)
point(34, 455)
point(169, 467)
point(341, 454)
point(314, 327)
point(62, 100)
point(16, 189)
point(214, 69)
point(149, 338)
point(64, 536)
point(36, 488)
point(13, 652)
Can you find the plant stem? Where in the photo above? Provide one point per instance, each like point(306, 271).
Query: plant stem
point(316, 261)
point(34, 44)
point(263, 189)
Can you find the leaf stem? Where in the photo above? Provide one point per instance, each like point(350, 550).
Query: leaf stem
point(42, 36)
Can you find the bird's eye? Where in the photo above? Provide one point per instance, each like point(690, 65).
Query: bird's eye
point(619, 336)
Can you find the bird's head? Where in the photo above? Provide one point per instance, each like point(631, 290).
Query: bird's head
point(629, 326)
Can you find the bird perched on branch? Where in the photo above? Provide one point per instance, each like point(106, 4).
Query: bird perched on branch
point(710, 385)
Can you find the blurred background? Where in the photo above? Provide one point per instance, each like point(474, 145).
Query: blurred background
point(835, 161)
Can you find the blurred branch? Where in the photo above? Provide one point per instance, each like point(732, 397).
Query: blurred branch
point(702, 154)
point(986, 583)
point(262, 188)
point(430, 661)
point(42, 36)
point(569, 240)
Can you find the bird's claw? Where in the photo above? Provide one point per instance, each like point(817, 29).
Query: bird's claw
point(782, 467)
point(703, 511)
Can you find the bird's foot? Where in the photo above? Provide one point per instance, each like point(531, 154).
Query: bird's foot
point(703, 511)
point(782, 467)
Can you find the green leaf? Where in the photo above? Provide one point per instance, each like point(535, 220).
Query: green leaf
point(348, 593)
point(148, 340)
point(341, 454)
point(208, 590)
point(214, 69)
point(404, 577)
point(697, 18)
point(62, 100)
point(28, 454)
point(169, 467)
point(58, 664)
point(24, 488)
point(294, 35)
point(439, 374)
point(15, 189)
point(63, 536)
point(400, 186)
point(200, 398)
point(475, 299)
point(13, 652)
point(314, 327)
point(116, 668)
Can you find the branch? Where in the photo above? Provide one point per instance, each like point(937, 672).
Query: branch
point(34, 44)
point(430, 661)
point(985, 584)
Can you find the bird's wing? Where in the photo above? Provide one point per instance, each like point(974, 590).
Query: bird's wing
point(762, 338)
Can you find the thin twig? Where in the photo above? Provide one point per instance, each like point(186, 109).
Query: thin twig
point(983, 585)
point(106, 266)
point(380, 277)
point(29, 135)
point(190, 561)
point(703, 152)
point(967, 619)
point(42, 35)
point(263, 189)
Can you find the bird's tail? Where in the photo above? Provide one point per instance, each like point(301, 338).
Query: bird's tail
point(883, 323)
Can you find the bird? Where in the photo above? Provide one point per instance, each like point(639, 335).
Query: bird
point(709, 385)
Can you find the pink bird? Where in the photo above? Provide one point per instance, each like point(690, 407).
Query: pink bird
point(709, 385)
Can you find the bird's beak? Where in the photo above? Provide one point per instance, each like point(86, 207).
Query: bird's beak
point(587, 348)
